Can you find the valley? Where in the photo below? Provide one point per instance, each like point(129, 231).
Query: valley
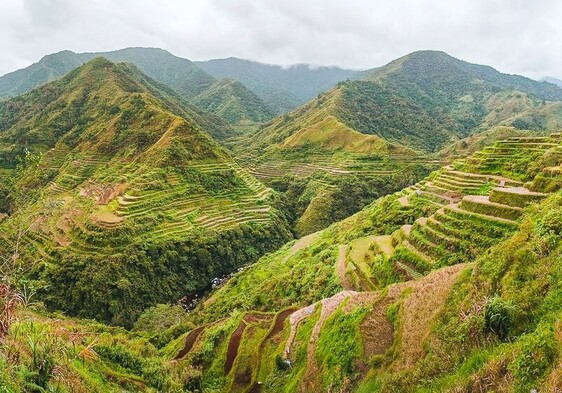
point(394, 229)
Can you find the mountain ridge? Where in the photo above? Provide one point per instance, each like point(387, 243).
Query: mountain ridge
point(426, 99)
point(124, 173)
point(282, 87)
point(182, 75)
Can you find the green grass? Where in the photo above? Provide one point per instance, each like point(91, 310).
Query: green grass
point(338, 354)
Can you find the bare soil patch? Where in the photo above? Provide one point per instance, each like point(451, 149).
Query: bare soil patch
point(233, 346)
point(190, 340)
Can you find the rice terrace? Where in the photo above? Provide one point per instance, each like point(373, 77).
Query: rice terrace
point(183, 220)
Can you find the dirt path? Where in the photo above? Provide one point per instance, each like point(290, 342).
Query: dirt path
point(340, 269)
point(294, 321)
point(304, 242)
point(190, 340)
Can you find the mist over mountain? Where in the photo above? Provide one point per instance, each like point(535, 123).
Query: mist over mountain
point(555, 81)
point(283, 88)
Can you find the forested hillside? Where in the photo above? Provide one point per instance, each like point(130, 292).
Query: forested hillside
point(181, 75)
point(283, 88)
point(425, 100)
point(125, 199)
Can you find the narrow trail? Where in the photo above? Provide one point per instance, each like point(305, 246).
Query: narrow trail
point(294, 321)
point(340, 269)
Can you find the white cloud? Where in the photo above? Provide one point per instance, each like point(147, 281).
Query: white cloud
point(515, 36)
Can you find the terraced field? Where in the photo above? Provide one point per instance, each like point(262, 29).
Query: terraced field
point(333, 165)
point(467, 211)
point(475, 209)
point(142, 205)
point(505, 156)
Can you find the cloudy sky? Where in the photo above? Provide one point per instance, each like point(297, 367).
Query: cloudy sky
point(514, 36)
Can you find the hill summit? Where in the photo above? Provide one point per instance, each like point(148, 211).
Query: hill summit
point(425, 100)
point(187, 79)
point(127, 179)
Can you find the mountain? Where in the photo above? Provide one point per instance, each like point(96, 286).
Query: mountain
point(128, 200)
point(450, 285)
point(283, 88)
point(425, 100)
point(182, 75)
point(233, 102)
point(555, 81)
point(449, 266)
point(362, 107)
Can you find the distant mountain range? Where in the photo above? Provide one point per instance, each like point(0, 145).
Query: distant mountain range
point(283, 88)
point(260, 92)
point(555, 81)
point(423, 101)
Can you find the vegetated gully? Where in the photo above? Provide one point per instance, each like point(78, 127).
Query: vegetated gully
point(191, 299)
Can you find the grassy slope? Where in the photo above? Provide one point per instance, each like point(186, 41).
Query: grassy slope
point(330, 134)
point(305, 272)
point(312, 126)
point(471, 144)
point(125, 193)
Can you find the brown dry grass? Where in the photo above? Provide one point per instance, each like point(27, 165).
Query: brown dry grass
point(340, 269)
point(426, 300)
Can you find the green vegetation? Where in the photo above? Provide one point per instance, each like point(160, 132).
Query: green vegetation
point(241, 107)
point(424, 101)
point(116, 202)
point(395, 252)
point(132, 205)
point(230, 102)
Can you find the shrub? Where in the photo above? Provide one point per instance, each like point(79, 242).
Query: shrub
point(536, 357)
point(281, 364)
point(499, 316)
